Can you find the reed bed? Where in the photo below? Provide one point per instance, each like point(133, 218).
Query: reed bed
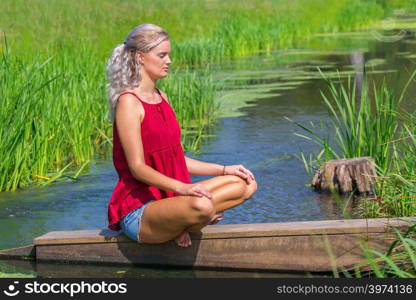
point(371, 125)
point(55, 121)
point(202, 31)
point(52, 83)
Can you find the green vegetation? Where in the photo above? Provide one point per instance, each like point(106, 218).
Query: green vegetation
point(10, 271)
point(398, 262)
point(55, 116)
point(53, 55)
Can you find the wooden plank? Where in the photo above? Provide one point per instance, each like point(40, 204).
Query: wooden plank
point(81, 236)
point(304, 228)
point(280, 253)
point(239, 231)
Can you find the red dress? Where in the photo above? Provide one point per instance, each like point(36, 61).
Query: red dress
point(161, 138)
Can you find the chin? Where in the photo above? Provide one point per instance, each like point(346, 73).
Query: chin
point(159, 76)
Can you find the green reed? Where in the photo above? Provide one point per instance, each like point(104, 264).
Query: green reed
point(201, 31)
point(398, 262)
point(49, 116)
point(397, 188)
point(370, 124)
point(54, 115)
point(192, 95)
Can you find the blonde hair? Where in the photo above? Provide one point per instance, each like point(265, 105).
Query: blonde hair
point(123, 70)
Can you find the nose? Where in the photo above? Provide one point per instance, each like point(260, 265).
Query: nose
point(168, 61)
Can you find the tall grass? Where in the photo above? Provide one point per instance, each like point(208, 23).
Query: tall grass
point(54, 116)
point(51, 113)
point(192, 95)
point(371, 125)
point(399, 261)
point(52, 84)
point(202, 31)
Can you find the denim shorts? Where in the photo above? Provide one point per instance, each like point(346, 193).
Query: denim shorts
point(130, 224)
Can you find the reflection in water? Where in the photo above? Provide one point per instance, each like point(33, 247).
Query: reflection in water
point(357, 61)
point(56, 270)
point(338, 206)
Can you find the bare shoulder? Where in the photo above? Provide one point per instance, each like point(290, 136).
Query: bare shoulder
point(128, 104)
point(164, 95)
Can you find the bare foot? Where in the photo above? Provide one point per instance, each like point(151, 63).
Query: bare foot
point(216, 218)
point(183, 240)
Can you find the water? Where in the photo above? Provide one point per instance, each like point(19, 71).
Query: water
point(260, 91)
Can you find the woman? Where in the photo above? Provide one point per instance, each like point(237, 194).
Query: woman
point(154, 200)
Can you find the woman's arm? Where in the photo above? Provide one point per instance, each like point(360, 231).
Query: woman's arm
point(197, 167)
point(128, 115)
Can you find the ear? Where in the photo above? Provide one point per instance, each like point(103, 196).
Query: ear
point(139, 57)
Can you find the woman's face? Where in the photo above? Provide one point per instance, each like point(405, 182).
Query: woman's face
point(155, 63)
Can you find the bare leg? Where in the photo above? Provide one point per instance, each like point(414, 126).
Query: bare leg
point(165, 219)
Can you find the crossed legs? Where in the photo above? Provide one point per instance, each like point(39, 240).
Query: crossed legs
point(165, 219)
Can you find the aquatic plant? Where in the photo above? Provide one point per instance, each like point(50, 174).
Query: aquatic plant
point(399, 261)
point(369, 123)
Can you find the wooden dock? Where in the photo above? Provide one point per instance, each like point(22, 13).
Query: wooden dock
point(312, 246)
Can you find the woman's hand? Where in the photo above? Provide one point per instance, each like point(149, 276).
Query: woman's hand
point(196, 189)
point(239, 170)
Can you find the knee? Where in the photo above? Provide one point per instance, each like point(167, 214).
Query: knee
point(247, 189)
point(203, 208)
point(251, 188)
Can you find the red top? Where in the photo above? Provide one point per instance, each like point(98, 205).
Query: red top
point(161, 138)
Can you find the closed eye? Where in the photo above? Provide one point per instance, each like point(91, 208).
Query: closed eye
point(163, 54)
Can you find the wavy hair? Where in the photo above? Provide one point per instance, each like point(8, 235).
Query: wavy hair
point(123, 69)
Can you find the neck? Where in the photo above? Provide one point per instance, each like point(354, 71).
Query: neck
point(147, 85)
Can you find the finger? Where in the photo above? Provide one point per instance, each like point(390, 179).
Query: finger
point(249, 174)
point(204, 192)
point(241, 173)
point(208, 195)
point(199, 193)
point(244, 170)
point(244, 176)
